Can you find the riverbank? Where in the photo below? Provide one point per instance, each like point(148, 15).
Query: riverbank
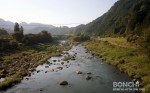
point(129, 60)
point(17, 64)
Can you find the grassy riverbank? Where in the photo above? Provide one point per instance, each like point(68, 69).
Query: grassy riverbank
point(128, 58)
point(19, 63)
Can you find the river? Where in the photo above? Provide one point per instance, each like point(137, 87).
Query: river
point(46, 78)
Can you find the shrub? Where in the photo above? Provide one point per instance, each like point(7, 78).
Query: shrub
point(81, 37)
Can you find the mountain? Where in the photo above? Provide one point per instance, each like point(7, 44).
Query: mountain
point(7, 25)
point(34, 27)
point(125, 16)
point(77, 29)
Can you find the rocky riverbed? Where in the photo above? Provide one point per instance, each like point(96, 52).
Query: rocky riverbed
point(76, 71)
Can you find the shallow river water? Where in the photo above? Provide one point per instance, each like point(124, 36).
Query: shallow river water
point(46, 78)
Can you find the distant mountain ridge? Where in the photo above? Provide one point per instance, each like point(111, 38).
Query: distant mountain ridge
point(124, 17)
point(34, 27)
point(7, 25)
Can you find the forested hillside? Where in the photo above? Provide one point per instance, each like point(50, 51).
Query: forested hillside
point(126, 16)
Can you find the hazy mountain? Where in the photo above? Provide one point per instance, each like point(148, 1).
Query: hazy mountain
point(34, 27)
point(124, 17)
point(7, 25)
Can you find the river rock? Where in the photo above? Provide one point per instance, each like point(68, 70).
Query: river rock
point(38, 71)
point(52, 70)
point(46, 66)
point(78, 72)
point(54, 60)
point(27, 78)
point(89, 73)
point(47, 62)
point(46, 71)
point(73, 58)
point(32, 69)
point(41, 89)
point(62, 63)
point(103, 59)
point(63, 83)
point(60, 68)
point(88, 77)
point(98, 77)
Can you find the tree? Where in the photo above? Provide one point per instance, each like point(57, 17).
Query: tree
point(21, 29)
point(16, 27)
point(18, 32)
point(42, 37)
point(21, 32)
point(80, 37)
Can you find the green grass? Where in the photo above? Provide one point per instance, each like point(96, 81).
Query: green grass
point(137, 64)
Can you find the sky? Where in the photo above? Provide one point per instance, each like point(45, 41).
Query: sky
point(55, 12)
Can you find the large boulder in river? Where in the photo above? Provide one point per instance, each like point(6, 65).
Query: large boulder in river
point(60, 68)
point(89, 73)
point(63, 82)
point(88, 77)
point(78, 72)
point(54, 60)
point(62, 63)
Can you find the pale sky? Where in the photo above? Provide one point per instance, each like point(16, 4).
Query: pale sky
point(55, 12)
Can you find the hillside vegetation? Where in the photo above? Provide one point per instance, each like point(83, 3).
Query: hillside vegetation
point(124, 17)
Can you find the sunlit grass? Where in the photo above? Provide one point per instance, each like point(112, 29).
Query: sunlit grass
point(121, 42)
point(136, 65)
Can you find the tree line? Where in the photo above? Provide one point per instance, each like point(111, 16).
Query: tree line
point(18, 38)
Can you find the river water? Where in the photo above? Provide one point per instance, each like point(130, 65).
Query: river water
point(46, 78)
